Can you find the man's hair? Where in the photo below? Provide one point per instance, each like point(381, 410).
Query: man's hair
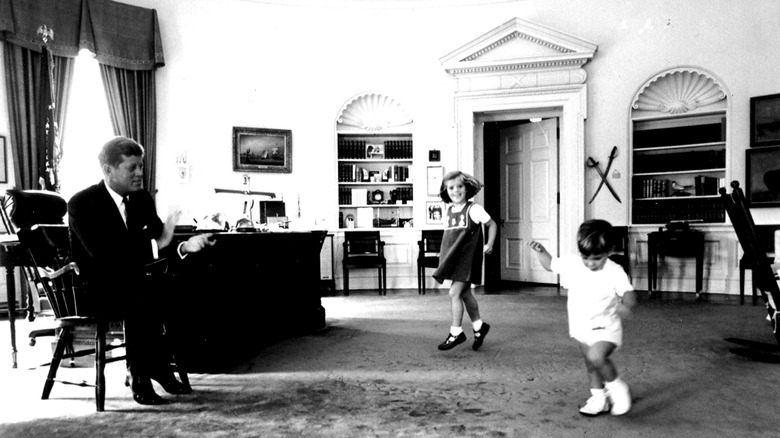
point(473, 186)
point(594, 237)
point(113, 151)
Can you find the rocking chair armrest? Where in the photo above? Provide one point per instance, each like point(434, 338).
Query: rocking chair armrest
point(50, 274)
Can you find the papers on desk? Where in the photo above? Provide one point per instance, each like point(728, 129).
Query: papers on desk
point(8, 238)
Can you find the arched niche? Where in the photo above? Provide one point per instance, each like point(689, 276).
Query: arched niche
point(679, 136)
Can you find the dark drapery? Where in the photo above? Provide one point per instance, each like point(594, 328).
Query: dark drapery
point(123, 37)
point(119, 35)
point(36, 150)
point(132, 104)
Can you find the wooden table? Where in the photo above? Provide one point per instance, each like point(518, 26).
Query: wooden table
point(687, 243)
point(10, 257)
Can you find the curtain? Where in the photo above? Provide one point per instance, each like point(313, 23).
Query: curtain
point(132, 105)
point(123, 37)
point(35, 146)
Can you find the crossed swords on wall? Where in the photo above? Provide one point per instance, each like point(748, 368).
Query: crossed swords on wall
point(595, 164)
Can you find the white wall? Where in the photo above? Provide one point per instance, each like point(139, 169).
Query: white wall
point(291, 66)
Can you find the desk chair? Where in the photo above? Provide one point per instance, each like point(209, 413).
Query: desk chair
point(49, 250)
point(362, 250)
point(427, 255)
point(22, 209)
point(764, 276)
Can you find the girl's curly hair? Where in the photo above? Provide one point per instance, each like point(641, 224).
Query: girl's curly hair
point(473, 186)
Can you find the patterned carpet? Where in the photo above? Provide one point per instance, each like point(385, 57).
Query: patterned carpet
point(376, 372)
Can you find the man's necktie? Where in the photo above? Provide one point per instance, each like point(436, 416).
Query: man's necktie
point(127, 211)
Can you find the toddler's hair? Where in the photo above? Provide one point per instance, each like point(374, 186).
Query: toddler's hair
point(595, 237)
point(473, 186)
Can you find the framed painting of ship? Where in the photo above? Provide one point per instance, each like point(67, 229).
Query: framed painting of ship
point(262, 150)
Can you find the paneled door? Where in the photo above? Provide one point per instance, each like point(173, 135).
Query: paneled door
point(529, 193)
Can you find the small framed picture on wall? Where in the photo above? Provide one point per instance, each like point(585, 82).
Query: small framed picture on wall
point(765, 120)
point(435, 176)
point(434, 212)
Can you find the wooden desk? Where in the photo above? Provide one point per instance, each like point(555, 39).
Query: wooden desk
point(245, 292)
point(688, 243)
point(11, 257)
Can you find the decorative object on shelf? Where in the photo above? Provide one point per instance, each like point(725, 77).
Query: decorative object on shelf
point(765, 120)
point(434, 155)
point(375, 151)
point(349, 221)
point(762, 176)
point(435, 176)
point(262, 150)
point(434, 212)
point(377, 196)
point(595, 164)
point(679, 190)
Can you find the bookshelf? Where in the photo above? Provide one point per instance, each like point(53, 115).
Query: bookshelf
point(679, 149)
point(375, 180)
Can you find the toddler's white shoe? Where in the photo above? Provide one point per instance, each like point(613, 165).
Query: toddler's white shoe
point(619, 395)
point(596, 405)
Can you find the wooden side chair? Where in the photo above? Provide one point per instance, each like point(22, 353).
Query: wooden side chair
point(364, 250)
point(766, 240)
point(764, 276)
point(621, 254)
point(429, 246)
point(49, 251)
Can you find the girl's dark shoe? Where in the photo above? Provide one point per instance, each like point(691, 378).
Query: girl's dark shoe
point(479, 336)
point(452, 341)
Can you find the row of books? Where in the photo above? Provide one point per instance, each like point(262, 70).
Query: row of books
point(661, 212)
point(662, 188)
point(357, 196)
point(389, 150)
point(355, 173)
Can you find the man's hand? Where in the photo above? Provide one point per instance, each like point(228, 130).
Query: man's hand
point(197, 243)
point(168, 228)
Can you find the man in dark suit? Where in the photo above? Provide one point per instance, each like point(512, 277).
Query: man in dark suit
point(115, 234)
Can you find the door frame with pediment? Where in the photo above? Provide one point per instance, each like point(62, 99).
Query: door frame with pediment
point(525, 67)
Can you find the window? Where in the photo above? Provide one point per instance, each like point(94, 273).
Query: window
point(88, 128)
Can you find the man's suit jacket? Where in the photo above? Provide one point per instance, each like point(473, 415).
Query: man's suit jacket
point(111, 256)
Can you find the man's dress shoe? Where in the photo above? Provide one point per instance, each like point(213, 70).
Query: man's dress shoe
point(171, 385)
point(143, 392)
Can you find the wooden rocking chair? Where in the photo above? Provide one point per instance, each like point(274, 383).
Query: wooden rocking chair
point(764, 274)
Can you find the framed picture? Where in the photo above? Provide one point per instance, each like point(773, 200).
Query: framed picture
point(765, 120)
point(435, 176)
point(262, 150)
point(434, 212)
point(762, 176)
point(3, 161)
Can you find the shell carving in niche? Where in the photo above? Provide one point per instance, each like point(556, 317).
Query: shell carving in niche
point(679, 92)
point(374, 112)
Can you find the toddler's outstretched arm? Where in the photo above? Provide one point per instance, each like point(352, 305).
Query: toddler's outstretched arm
point(541, 252)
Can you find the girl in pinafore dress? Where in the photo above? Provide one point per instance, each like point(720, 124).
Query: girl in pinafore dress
point(460, 258)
